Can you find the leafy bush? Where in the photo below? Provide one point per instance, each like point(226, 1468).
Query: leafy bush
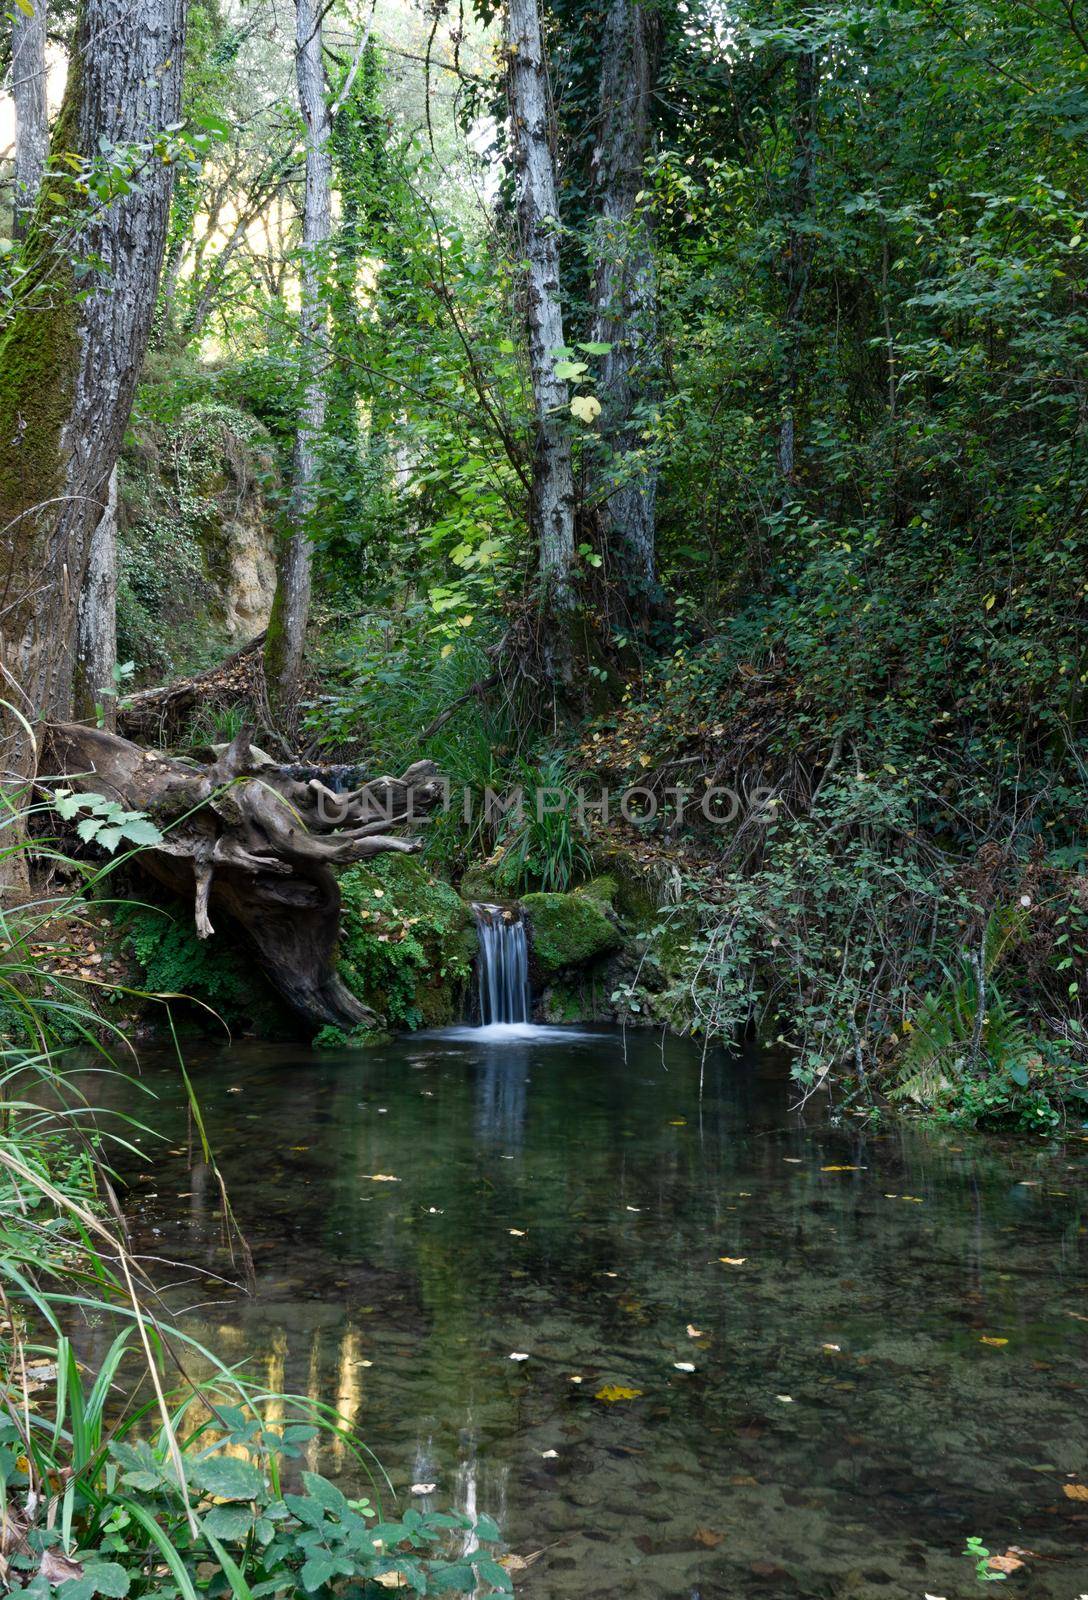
point(173, 961)
point(406, 942)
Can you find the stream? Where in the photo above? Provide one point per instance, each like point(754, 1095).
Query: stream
point(892, 1355)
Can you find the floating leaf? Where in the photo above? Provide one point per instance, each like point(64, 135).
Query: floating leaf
point(989, 1339)
point(684, 1366)
point(519, 1355)
point(1075, 1491)
point(616, 1391)
point(382, 1177)
point(423, 1488)
point(733, 1261)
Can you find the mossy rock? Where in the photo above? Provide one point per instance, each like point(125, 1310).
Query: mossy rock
point(632, 894)
point(333, 1038)
point(567, 930)
point(407, 941)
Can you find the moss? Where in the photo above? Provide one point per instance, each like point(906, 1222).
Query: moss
point(567, 930)
point(331, 1038)
point(406, 941)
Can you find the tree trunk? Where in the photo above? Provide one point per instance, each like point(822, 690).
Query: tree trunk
point(68, 365)
point(552, 497)
point(248, 836)
point(97, 655)
point(291, 608)
point(797, 257)
point(28, 84)
point(625, 299)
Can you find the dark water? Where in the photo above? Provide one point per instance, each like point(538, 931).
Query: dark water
point(846, 1425)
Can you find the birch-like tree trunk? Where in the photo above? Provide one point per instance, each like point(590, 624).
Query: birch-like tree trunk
point(625, 298)
point(95, 692)
point(28, 81)
point(71, 355)
point(291, 607)
point(532, 123)
point(797, 257)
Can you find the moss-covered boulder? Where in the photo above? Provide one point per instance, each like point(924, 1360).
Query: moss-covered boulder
point(406, 942)
point(568, 930)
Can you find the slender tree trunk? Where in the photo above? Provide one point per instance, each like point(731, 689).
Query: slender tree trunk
point(552, 499)
point(98, 619)
point(291, 608)
point(797, 257)
point(70, 357)
point(625, 298)
point(28, 82)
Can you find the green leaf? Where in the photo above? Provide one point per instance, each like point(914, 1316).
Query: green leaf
point(141, 830)
point(88, 828)
point(228, 1522)
point(227, 1478)
point(595, 347)
point(570, 371)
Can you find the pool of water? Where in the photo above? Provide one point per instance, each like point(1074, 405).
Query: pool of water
point(827, 1355)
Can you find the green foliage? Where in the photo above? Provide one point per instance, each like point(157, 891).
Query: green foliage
point(540, 844)
point(406, 943)
point(216, 974)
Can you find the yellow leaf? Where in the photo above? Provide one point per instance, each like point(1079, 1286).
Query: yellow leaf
point(991, 601)
point(733, 1261)
point(616, 1391)
point(1075, 1491)
point(645, 761)
point(986, 1339)
point(382, 1177)
point(840, 1169)
point(586, 407)
point(447, 650)
point(25, 7)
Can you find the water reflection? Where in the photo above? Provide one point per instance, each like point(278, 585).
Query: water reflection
point(419, 1215)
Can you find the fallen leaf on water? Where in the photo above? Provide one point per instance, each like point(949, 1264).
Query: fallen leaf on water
point(616, 1391)
point(1004, 1563)
point(684, 1366)
point(363, 1363)
point(519, 1355)
point(634, 1208)
point(423, 1488)
point(793, 1160)
point(831, 1347)
point(516, 1233)
point(988, 1339)
point(679, 1122)
point(709, 1537)
point(576, 1378)
point(1075, 1491)
point(1079, 1316)
point(382, 1177)
point(549, 1455)
point(515, 1563)
point(786, 1399)
point(733, 1261)
point(840, 1169)
point(694, 1332)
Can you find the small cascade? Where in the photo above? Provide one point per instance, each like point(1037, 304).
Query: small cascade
point(502, 965)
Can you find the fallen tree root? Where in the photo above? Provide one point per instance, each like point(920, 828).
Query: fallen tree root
point(244, 835)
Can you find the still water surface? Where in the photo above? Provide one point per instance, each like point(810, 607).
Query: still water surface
point(569, 1197)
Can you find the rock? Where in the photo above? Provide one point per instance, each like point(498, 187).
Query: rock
point(568, 930)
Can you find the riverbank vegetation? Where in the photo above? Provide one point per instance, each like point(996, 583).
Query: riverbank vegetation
point(647, 397)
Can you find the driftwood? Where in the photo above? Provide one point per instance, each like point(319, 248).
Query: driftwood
point(246, 836)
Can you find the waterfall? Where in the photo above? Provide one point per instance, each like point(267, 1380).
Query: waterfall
point(503, 966)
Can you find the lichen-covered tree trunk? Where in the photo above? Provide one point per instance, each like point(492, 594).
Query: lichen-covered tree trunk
point(28, 84)
point(71, 354)
point(625, 298)
point(552, 498)
point(95, 690)
point(291, 608)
